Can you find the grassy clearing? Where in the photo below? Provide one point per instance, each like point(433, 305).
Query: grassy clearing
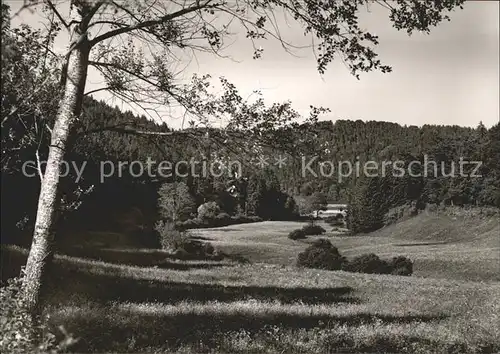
point(245, 308)
point(442, 246)
point(139, 300)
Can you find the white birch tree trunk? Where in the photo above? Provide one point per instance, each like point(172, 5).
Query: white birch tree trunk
point(69, 109)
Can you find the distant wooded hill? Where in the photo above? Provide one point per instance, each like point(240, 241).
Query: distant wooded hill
point(105, 133)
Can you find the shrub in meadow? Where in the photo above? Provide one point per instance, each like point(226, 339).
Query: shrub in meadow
point(196, 249)
point(170, 238)
point(372, 264)
point(367, 263)
point(321, 255)
point(401, 266)
point(297, 234)
point(313, 230)
point(181, 244)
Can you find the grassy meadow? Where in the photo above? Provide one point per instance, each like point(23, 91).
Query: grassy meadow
point(442, 246)
point(141, 300)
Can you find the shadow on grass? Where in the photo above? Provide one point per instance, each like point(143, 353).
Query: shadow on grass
point(153, 257)
point(13, 258)
point(236, 257)
point(140, 258)
point(201, 238)
point(71, 279)
point(143, 258)
point(122, 330)
point(168, 264)
point(108, 288)
point(421, 244)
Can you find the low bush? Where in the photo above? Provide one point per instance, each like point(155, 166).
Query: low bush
point(372, 264)
point(194, 249)
point(321, 255)
point(181, 244)
point(401, 266)
point(297, 234)
point(313, 230)
point(208, 211)
point(367, 263)
point(170, 238)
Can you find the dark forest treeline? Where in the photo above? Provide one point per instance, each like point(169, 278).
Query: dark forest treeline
point(259, 191)
point(105, 134)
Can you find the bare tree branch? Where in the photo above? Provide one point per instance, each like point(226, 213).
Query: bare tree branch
point(96, 90)
point(150, 23)
point(58, 15)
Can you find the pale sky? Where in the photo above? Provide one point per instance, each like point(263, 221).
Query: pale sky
point(448, 77)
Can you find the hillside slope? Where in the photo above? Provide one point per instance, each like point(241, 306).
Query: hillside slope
point(462, 246)
point(454, 244)
point(480, 226)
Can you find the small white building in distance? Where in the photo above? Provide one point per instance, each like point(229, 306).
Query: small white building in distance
point(333, 210)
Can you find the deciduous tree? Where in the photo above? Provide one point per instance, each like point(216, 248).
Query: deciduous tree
point(175, 202)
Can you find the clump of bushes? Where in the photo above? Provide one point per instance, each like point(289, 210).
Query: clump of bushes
point(181, 244)
point(323, 255)
point(194, 249)
point(169, 237)
point(372, 264)
point(297, 234)
point(367, 263)
point(312, 230)
point(308, 230)
point(401, 266)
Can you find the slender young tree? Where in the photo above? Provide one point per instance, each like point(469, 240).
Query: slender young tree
point(175, 201)
point(133, 43)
